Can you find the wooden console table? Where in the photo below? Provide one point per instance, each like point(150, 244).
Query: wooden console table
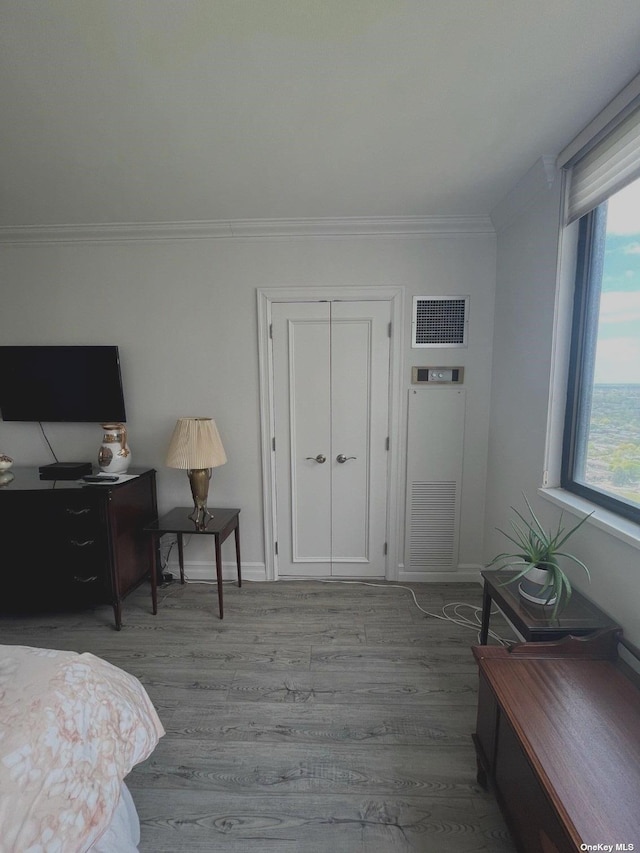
point(558, 741)
point(535, 622)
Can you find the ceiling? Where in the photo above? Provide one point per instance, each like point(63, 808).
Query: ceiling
point(141, 111)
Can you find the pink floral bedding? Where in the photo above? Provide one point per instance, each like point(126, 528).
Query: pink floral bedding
point(72, 726)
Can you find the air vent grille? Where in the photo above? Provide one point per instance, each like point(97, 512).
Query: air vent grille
point(440, 321)
point(433, 525)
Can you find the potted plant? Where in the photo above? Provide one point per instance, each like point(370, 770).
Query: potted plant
point(542, 581)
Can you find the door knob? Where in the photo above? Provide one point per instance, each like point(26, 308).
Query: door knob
point(342, 458)
point(319, 458)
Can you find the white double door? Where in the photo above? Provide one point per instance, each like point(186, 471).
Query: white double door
point(331, 400)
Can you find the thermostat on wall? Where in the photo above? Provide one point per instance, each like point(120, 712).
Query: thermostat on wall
point(446, 375)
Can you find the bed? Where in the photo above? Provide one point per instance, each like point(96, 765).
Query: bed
point(72, 726)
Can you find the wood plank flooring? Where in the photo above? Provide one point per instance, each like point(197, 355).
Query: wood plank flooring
point(320, 718)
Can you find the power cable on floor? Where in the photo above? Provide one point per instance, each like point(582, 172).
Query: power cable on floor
point(457, 618)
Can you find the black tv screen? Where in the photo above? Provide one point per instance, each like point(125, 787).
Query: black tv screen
point(61, 383)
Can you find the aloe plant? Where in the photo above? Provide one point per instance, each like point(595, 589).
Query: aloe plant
point(540, 549)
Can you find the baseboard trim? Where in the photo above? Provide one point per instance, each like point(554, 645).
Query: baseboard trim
point(204, 571)
point(201, 571)
point(468, 576)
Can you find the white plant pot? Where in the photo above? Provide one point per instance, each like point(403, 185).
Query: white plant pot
point(533, 583)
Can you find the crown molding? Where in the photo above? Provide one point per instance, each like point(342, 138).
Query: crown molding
point(247, 228)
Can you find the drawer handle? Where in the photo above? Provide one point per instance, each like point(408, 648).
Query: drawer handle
point(82, 544)
point(82, 511)
point(85, 580)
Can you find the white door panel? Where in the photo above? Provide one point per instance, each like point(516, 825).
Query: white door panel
point(303, 429)
point(359, 396)
point(435, 443)
point(331, 386)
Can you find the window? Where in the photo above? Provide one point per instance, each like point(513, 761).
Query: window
point(601, 450)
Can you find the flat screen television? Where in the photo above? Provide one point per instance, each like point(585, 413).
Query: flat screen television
point(74, 384)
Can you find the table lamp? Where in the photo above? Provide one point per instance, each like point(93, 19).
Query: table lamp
point(196, 446)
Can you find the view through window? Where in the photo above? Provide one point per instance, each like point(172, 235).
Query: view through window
point(607, 430)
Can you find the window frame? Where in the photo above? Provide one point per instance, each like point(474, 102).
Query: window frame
point(586, 305)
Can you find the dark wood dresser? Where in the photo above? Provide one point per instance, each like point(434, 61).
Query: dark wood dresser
point(70, 544)
point(558, 741)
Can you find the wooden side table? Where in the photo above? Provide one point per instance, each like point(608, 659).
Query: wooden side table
point(221, 524)
point(535, 622)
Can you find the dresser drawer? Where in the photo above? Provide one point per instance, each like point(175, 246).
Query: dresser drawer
point(81, 541)
point(79, 514)
point(82, 550)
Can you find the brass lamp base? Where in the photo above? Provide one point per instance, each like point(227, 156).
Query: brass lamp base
point(199, 481)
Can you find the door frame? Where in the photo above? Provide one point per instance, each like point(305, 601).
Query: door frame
point(265, 298)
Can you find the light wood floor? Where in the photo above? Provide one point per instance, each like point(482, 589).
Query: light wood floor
point(321, 718)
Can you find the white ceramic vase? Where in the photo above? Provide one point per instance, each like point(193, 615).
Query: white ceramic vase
point(114, 456)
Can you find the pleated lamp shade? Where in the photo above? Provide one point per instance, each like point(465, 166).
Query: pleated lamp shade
point(195, 443)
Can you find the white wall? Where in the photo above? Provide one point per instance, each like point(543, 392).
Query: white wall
point(528, 244)
point(183, 312)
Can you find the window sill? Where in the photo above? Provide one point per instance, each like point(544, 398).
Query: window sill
point(621, 528)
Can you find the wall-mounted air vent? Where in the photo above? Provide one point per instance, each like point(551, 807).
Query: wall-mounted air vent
point(435, 444)
point(440, 321)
